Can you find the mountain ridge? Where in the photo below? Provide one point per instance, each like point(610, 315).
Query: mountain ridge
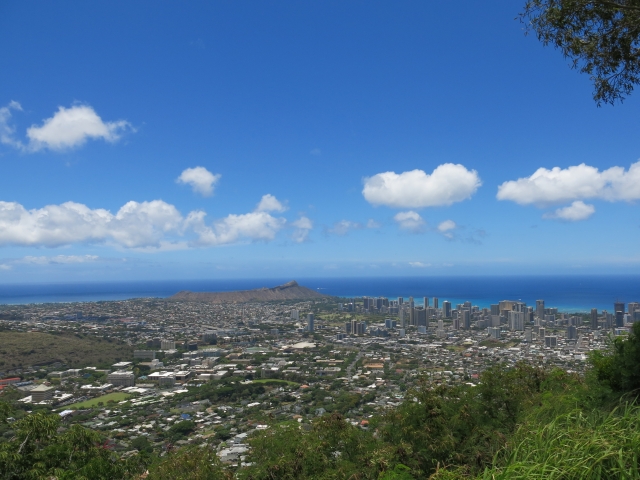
point(287, 291)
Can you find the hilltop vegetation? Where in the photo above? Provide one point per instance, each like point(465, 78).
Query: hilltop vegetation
point(21, 349)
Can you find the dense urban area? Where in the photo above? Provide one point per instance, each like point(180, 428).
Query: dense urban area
point(159, 374)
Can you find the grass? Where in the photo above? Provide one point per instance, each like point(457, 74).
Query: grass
point(275, 380)
point(23, 349)
point(116, 397)
point(574, 446)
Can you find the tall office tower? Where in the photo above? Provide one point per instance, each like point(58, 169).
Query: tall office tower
point(379, 302)
point(411, 305)
point(310, 325)
point(435, 302)
point(440, 324)
point(412, 316)
point(467, 305)
point(420, 316)
point(540, 308)
point(466, 319)
point(426, 302)
point(619, 319)
point(618, 307)
point(446, 309)
point(495, 309)
point(347, 327)
point(365, 303)
point(295, 315)
point(594, 319)
point(400, 300)
point(632, 308)
point(354, 327)
point(572, 333)
point(401, 315)
point(456, 323)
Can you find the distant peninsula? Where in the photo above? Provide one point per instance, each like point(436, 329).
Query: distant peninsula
point(288, 291)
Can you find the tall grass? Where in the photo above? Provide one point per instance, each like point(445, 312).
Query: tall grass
point(574, 446)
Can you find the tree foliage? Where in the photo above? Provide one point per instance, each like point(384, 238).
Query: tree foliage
point(600, 37)
point(619, 368)
point(38, 450)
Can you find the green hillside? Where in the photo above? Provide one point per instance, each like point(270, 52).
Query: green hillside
point(23, 349)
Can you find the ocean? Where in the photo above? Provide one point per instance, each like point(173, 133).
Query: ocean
point(567, 293)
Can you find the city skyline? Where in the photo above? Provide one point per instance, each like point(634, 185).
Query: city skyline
point(218, 141)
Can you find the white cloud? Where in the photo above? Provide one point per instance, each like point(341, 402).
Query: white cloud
point(200, 179)
point(344, 226)
point(577, 211)
point(145, 226)
point(371, 223)
point(59, 259)
point(547, 187)
point(419, 264)
point(72, 127)
point(303, 226)
point(446, 226)
point(232, 228)
point(410, 221)
point(134, 225)
point(4, 266)
point(269, 203)
point(447, 184)
point(7, 131)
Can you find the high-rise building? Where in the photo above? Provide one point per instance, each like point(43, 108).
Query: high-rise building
point(295, 315)
point(411, 304)
point(618, 307)
point(347, 327)
point(495, 309)
point(594, 319)
point(403, 322)
point(310, 326)
point(446, 309)
point(632, 308)
point(466, 319)
point(540, 308)
point(420, 317)
point(400, 300)
point(435, 303)
point(619, 319)
point(426, 302)
point(572, 333)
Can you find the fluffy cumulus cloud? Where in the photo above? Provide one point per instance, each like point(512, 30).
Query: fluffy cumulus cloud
point(577, 211)
point(447, 184)
point(67, 128)
point(410, 220)
point(151, 226)
point(559, 185)
point(135, 225)
point(256, 225)
point(446, 226)
point(269, 203)
point(200, 179)
point(72, 127)
point(302, 228)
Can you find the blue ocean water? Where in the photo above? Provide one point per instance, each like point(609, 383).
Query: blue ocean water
point(567, 293)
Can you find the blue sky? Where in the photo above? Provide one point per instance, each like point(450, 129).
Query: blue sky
point(160, 140)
